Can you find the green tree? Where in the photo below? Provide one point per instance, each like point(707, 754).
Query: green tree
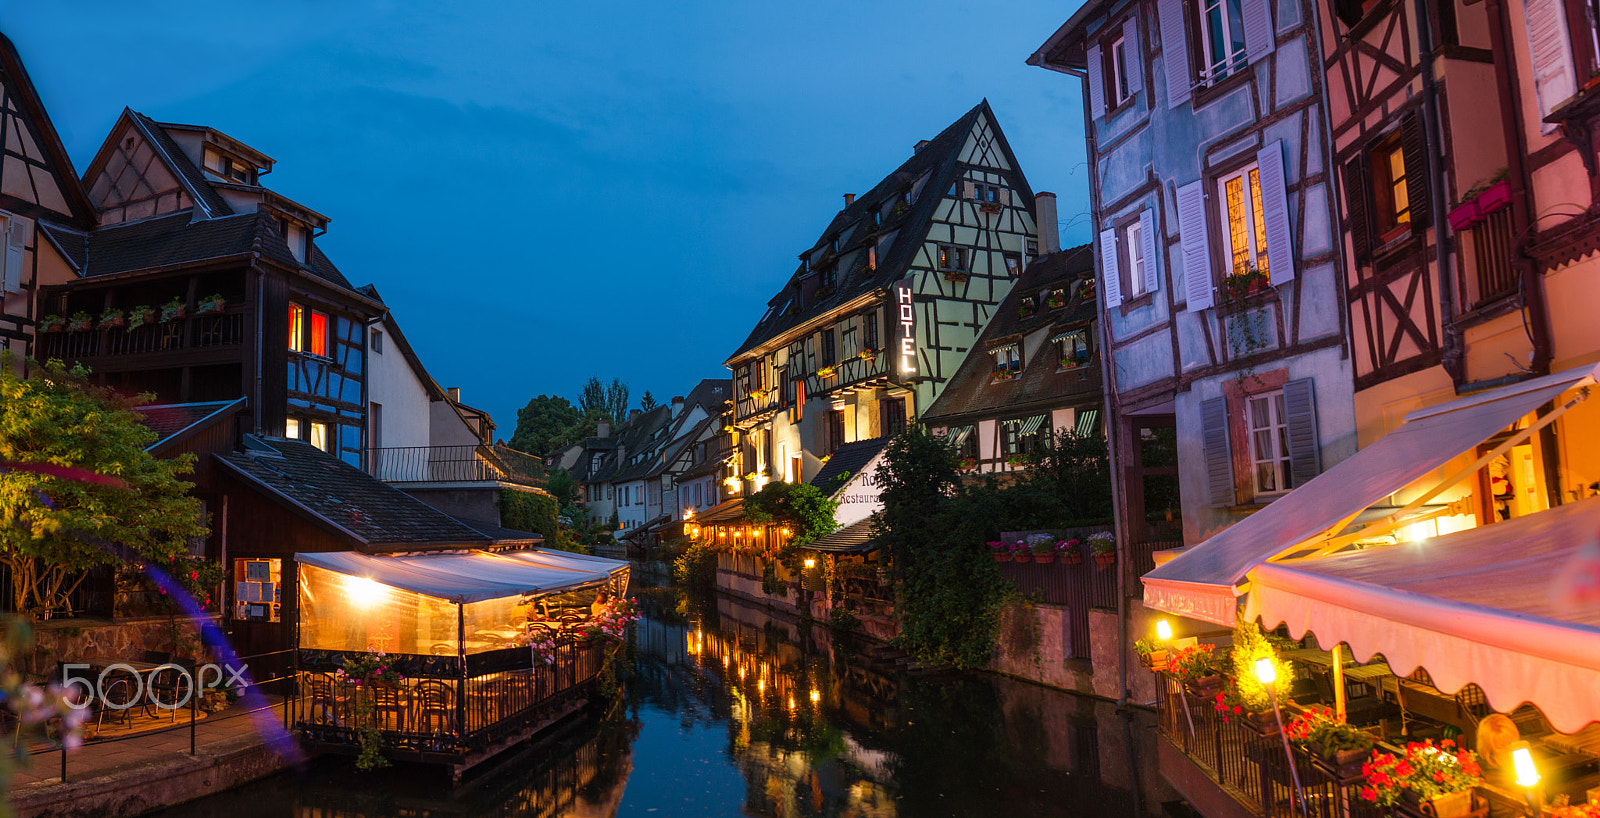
point(545, 424)
point(54, 529)
point(800, 507)
point(647, 402)
point(617, 400)
point(563, 486)
point(592, 400)
point(949, 593)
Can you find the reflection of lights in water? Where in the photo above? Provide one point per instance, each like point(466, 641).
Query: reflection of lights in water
point(761, 685)
point(791, 702)
point(816, 696)
point(741, 673)
point(724, 660)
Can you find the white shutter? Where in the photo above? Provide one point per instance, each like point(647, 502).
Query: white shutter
point(969, 191)
point(16, 235)
point(1218, 455)
point(1275, 214)
point(1551, 50)
point(1259, 39)
point(1174, 51)
point(1097, 83)
point(1133, 61)
point(1147, 241)
point(1005, 196)
point(1110, 275)
point(1196, 248)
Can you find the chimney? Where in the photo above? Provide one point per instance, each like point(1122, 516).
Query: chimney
point(677, 405)
point(455, 393)
point(1044, 216)
point(603, 428)
point(632, 413)
point(849, 199)
point(920, 145)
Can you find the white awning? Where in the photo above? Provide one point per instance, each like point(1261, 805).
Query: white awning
point(1086, 422)
point(959, 435)
point(473, 576)
point(1203, 581)
point(1484, 606)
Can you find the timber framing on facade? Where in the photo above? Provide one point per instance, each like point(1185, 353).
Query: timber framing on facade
point(883, 308)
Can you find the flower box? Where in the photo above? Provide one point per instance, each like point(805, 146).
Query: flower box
point(956, 276)
point(81, 322)
point(1044, 559)
point(1071, 556)
point(1156, 660)
point(52, 323)
point(1022, 556)
point(1105, 559)
point(826, 372)
point(1465, 215)
point(210, 305)
point(1495, 199)
point(992, 208)
point(867, 354)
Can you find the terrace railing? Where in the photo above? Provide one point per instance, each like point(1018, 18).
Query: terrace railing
point(432, 464)
point(224, 329)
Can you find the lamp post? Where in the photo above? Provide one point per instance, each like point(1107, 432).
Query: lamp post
point(1267, 673)
point(1164, 636)
point(1527, 775)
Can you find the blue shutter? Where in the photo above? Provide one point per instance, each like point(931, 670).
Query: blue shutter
point(1147, 240)
point(1097, 83)
point(1219, 458)
point(1133, 59)
point(1300, 415)
point(1110, 273)
point(1259, 39)
point(1196, 249)
point(1174, 51)
point(1275, 214)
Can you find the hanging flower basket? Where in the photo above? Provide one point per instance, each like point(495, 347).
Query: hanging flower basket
point(1070, 551)
point(81, 322)
point(210, 305)
point(52, 323)
point(1001, 550)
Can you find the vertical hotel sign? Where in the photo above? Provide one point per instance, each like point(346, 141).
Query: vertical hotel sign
point(905, 331)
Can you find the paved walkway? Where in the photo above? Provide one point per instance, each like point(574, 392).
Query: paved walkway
point(131, 766)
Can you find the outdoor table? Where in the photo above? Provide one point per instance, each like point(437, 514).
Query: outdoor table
point(143, 671)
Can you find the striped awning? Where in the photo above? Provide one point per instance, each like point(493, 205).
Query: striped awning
point(1032, 425)
point(959, 435)
point(1086, 422)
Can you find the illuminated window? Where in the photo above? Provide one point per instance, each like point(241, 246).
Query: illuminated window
point(1269, 442)
point(318, 435)
point(1243, 222)
point(291, 428)
point(317, 343)
point(297, 328)
point(952, 258)
point(1394, 199)
point(1013, 264)
point(258, 589)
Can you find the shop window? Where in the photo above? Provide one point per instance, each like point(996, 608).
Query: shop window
point(258, 590)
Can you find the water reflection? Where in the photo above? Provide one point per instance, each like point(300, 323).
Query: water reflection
point(730, 712)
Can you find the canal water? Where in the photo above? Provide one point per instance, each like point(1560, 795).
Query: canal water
point(729, 711)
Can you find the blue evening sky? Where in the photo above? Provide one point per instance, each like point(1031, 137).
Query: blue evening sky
point(548, 191)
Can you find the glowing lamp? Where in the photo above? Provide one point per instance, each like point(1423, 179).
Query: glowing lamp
point(786, 532)
point(791, 702)
point(816, 696)
point(1522, 762)
point(364, 593)
point(756, 534)
point(1164, 630)
point(811, 563)
point(1266, 671)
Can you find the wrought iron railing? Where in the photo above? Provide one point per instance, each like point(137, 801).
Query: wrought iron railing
point(432, 464)
point(223, 329)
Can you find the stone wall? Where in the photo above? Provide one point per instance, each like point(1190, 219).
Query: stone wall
point(1033, 646)
point(73, 640)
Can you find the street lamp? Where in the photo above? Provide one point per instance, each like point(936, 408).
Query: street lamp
point(1164, 635)
point(1267, 673)
point(1164, 630)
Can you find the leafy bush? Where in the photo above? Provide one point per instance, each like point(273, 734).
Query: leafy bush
point(696, 567)
point(538, 512)
point(843, 619)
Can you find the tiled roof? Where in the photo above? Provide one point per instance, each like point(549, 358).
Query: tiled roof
point(345, 498)
point(192, 178)
point(22, 96)
point(177, 239)
point(74, 244)
point(847, 460)
point(855, 538)
point(710, 394)
point(724, 512)
point(939, 158)
point(971, 393)
point(174, 420)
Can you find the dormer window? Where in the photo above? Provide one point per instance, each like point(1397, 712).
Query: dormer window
point(1072, 348)
point(1007, 362)
point(230, 168)
point(297, 237)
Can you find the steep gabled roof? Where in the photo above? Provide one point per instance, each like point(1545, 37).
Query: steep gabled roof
point(344, 498)
point(25, 97)
point(204, 195)
point(176, 421)
point(939, 160)
point(1040, 383)
point(847, 460)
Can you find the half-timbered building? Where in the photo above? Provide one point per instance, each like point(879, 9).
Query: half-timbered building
point(1220, 289)
point(881, 311)
point(1033, 371)
point(37, 187)
point(201, 284)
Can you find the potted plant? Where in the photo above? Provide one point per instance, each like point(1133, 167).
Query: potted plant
point(1104, 546)
point(957, 276)
point(1230, 701)
point(1004, 374)
point(827, 372)
point(1339, 746)
point(1057, 300)
point(113, 318)
point(141, 315)
point(867, 354)
point(1017, 460)
point(1441, 776)
point(1020, 552)
point(1026, 308)
point(1043, 547)
point(1151, 655)
point(967, 463)
point(209, 305)
point(1001, 550)
point(1191, 664)
point(1245, 283)
point(992, 208)
point(172, 310)
point(80, 322)
point(52, 323)
point(1070, 551)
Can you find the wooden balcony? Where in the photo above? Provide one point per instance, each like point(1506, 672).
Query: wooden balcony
point(195, 339)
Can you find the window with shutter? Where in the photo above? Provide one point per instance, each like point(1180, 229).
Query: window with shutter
point(1133, 263)
point(1300, 414)
point(1274, 217)
point(1147, 235)
point(1222, 38)
point(1110, 274)
point(1414, 145)
point(1218, 457)
point(14, 231)
point(1196, 251)
point(1174, 51)
point(1096, 81)
point(1268, 443)
point(1356, 210)
point(1133, 61)
point(1391, 200)
point(1259, 37)
point(1550, 50)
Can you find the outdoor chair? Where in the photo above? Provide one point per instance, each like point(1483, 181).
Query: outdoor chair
point(325, 702)
point(388, 708)
point(433, 707)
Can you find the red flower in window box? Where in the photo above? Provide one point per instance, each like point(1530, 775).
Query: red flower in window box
point(991, 208)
